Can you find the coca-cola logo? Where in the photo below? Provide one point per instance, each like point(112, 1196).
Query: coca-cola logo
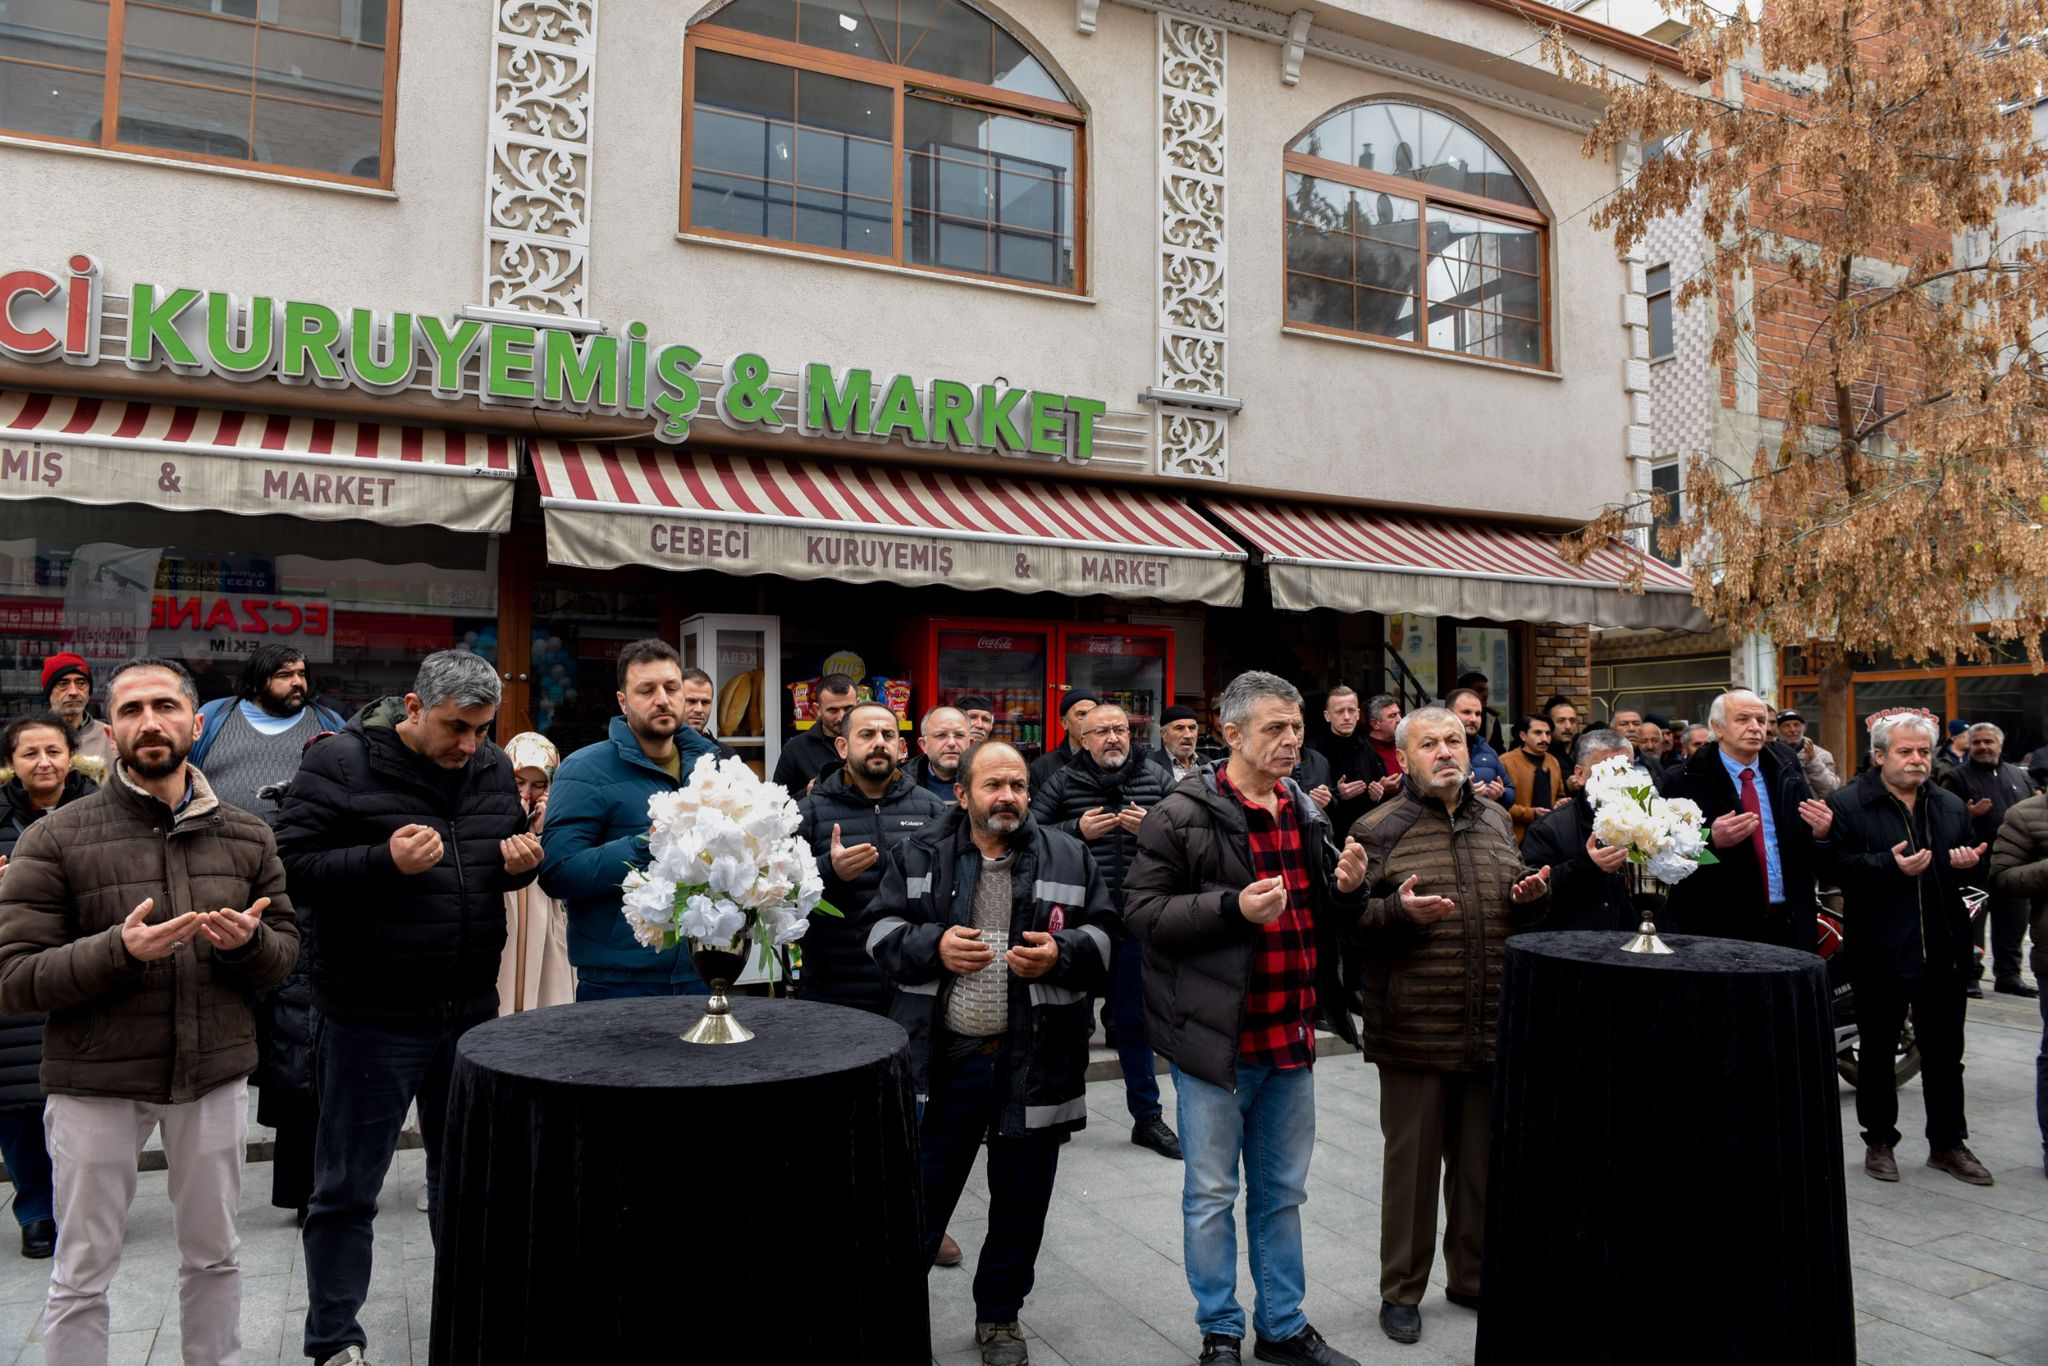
point(994, 643)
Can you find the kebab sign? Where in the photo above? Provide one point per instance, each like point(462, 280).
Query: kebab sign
point(509, 360)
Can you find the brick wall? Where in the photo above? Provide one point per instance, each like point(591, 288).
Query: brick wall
point(1564, 664)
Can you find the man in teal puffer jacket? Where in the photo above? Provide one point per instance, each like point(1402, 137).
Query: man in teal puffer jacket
point(597, 827)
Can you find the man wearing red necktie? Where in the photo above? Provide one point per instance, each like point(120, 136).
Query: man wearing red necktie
point(1763, 821)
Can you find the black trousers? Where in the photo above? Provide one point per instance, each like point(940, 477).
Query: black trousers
point(2008, 919)
point(1937, 1004)
point(966, 1105)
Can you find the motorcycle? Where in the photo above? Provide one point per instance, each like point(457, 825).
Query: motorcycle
point(1848, 1051)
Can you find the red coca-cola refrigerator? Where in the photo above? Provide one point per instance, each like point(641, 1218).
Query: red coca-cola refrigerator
point(1026, 667)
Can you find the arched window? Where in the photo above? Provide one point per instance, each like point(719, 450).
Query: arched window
point(918, 132)
point(1403, 224)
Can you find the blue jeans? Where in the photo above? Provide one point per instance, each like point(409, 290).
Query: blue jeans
point(366, 1074)
point(587, 990)
point(966, 1103)
point(1271, 1122)
point(1127, 1012)
point(2040, 1074)
point(28, 1166)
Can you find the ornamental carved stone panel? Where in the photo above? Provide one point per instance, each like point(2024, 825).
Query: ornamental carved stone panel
point(1193, 301)
point(537, 182)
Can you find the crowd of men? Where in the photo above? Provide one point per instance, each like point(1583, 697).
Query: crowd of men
point(191, 894)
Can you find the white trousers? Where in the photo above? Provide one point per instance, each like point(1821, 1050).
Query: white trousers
point(94, 1147)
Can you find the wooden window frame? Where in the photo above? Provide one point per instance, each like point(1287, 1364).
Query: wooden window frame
point(1423, 195)
point(904, 82)
point(110, 109)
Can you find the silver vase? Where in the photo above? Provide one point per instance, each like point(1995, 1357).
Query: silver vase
point(1646, 894)
point(720, 966)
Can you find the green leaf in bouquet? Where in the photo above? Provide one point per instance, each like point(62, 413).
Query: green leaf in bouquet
point(1706, 858)
point(829, 909)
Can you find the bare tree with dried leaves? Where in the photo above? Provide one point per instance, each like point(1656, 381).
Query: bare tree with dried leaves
point(1849, 161)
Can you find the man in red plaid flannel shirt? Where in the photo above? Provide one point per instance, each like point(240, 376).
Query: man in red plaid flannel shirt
point(1238, 893)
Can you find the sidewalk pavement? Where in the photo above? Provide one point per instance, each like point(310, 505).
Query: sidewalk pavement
point(1945, 1273)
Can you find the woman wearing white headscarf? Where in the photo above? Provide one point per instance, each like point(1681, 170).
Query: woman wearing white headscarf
point(536, 970)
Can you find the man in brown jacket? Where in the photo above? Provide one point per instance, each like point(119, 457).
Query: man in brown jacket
point(1448, 887)
point(141, 918)
point(2019, 868)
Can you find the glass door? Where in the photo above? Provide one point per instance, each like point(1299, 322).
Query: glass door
point(1006, 666)
point(1123, 668)
point(743, 655)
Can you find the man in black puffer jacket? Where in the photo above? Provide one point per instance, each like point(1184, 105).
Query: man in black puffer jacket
point(1101, 799)
point(1899, 846)
point(1588, 888)
point(854, 817)
point(405, 831)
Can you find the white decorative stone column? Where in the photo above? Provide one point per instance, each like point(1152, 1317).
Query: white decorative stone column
point(1191, 400)
point(537, 181)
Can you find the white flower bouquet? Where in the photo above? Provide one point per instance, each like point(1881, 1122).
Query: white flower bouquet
point(1661, 834)
point(726, 865)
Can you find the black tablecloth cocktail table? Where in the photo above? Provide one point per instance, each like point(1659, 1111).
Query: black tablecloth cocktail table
point(610, 1193)
point(1666, 1180)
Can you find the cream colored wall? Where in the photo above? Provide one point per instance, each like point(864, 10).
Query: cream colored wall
point(1320, 416)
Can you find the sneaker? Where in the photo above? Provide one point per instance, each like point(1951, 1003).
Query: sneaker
point(347, 1356)
point(1305, 1348)
point(949, 1251)
point(1219, 1349)
point(1962, 1164)
point(1152, 1133)
point(1002, 1344)
point(1880, 1162)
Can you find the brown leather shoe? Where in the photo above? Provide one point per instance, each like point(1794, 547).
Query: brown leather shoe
point(949, 1251)
point(1880, 1162)
point(1962, 1164)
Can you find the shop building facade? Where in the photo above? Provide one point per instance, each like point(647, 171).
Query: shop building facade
point(1164, 341)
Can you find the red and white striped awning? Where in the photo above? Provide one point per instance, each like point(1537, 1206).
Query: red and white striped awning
point(610, 505)
point(182, 458)
point(1360, 560)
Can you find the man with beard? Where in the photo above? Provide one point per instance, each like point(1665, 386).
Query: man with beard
point(405, 831)
point(1074, 709)
point(1448, 888)
point(698, 697)
point(67, 686)
point(597, 829)
point(1897, 846)
point(141, 917)
point(1180, 734)
point(1489, 778)
point(854, 816)
point(1533, 773)
point(816, 750)
point(1238, 895)
point(1563, 716)
point(980, 712)
point(252, 740)
point(941, 740)
point(995, 931)
point(1102, 798)
point(1989, 787)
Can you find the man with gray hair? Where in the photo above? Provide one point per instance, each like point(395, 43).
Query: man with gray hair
point(1988, 787)
point(1899, 848)
point(1449, 886)
point(1762, 820)
point(1588, 890)
point(403, 832)
point(1238, 893)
